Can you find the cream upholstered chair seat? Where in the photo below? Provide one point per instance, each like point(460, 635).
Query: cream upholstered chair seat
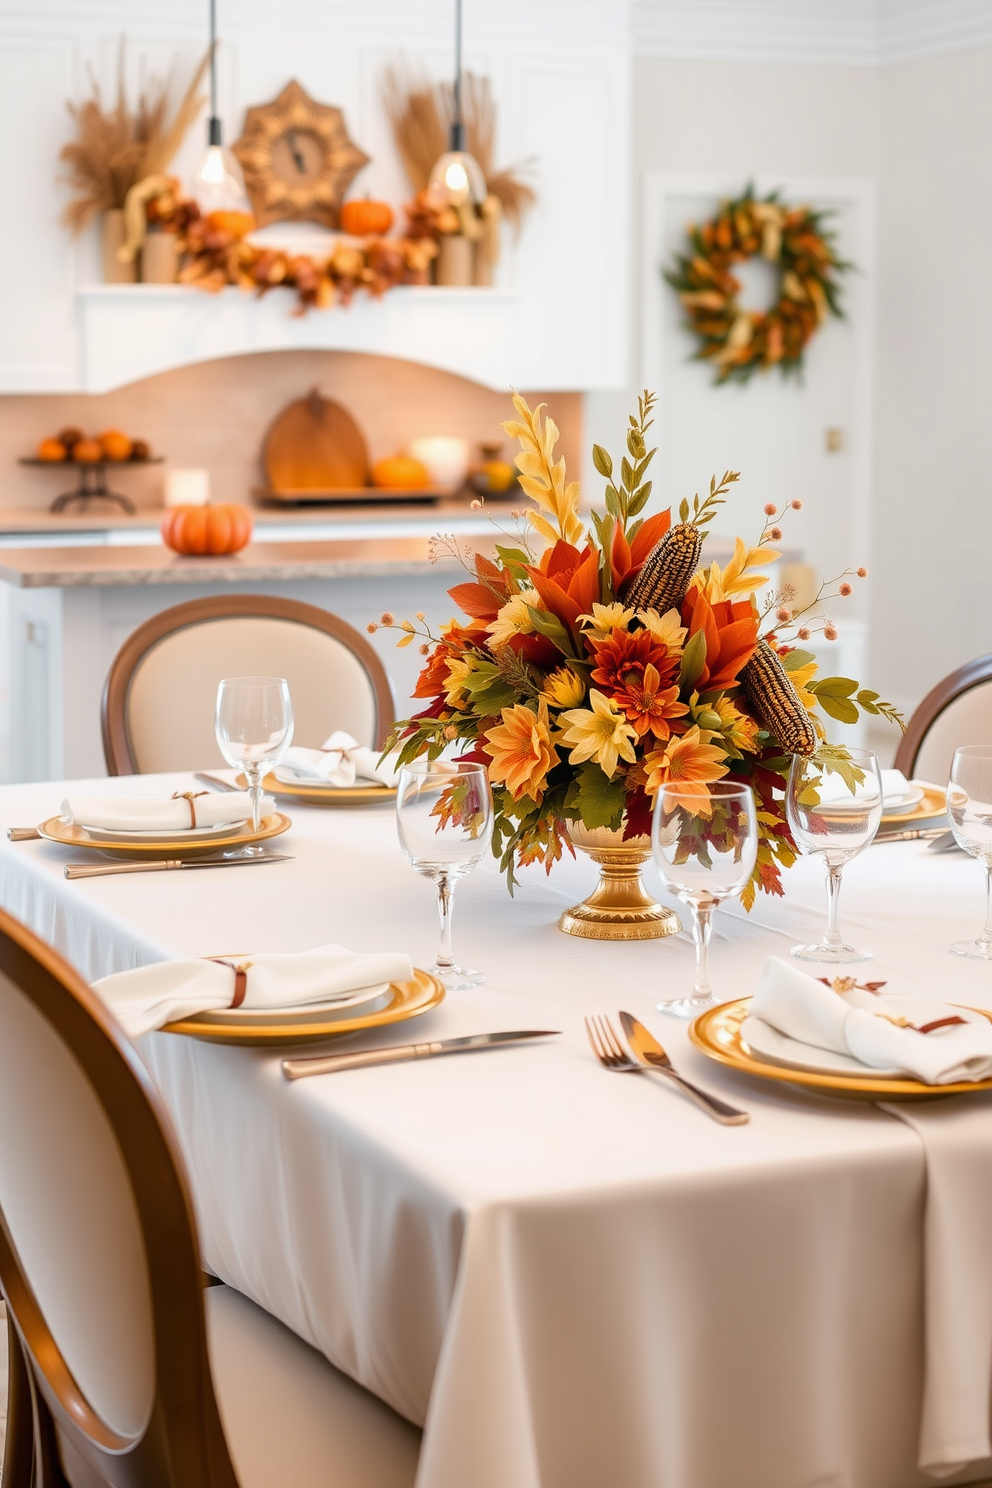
point(957, 711)
point(289, 1418)
point(126, 1372)
point(158, 708)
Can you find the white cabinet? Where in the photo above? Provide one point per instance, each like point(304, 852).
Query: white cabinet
point(560, 73)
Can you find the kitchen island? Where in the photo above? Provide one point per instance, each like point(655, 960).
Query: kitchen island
point(70, 609)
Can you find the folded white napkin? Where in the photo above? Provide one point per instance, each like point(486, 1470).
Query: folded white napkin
point(147, 998)
point(340, 761)
point(148, 814)
point(848, 1023)
point(957, 1267)
point(894, 785)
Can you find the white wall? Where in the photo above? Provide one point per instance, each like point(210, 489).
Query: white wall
point(933, 446)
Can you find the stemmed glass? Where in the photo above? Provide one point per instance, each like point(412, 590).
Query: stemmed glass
point(969, 807)
point(254, 727)
point(444, 816)
point(705, 850)
point(833, 804)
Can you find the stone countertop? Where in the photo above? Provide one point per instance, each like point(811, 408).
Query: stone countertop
point(106, 567)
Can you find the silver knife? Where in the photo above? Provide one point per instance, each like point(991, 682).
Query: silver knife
point(295, 1069)
point(946, 842)
point(86, 870)
point(216, 782)
point(648, 1051)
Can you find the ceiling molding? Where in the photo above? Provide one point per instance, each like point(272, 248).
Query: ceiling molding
point(852, 33)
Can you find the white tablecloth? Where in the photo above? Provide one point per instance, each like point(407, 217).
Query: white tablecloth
point(574, 1279)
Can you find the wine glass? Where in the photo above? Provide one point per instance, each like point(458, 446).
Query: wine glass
point(969, 807)
point(444, 816)
point(833, 804)
point(254, 727)
point(705, 849)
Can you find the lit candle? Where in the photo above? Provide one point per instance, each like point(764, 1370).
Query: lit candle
point(187, 487)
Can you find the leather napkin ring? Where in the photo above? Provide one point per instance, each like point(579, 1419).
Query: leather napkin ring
point(240, 969)
point(191, 798)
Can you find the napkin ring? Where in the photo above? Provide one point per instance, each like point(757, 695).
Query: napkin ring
point(240, 969)
point(191, 798)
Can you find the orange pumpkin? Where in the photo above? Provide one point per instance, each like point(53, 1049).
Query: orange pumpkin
point(198, 531)
point(115, 445)
point(365, 218)
point(238, 224)
point(400, 471)
point(51, 449)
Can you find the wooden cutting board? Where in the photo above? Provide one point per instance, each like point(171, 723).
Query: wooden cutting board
point(315, 445)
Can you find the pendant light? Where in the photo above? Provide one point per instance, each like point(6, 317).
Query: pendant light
point(218, 185)
point(457, 177)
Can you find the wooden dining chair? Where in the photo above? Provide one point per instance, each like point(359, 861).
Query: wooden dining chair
point(126, 1371)
point(158, 700)
point(957, 711)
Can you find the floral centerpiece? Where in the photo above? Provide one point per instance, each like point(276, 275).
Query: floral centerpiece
point(592, 664)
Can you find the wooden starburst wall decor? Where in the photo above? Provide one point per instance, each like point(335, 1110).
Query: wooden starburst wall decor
point(298, 159)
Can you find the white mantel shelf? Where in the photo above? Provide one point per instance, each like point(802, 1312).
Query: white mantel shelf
point(131, 331)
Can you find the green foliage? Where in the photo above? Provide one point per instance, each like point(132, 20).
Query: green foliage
point(842, 698)
point(626, 498)
point(834, 759)
point(595, 800)
point(793, 660)
point(701, 512)
point(693, 660)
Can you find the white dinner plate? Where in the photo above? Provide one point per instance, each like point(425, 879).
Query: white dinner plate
point(904, 801)
point(141, 834)
point(765, 1042)
point(365, 997)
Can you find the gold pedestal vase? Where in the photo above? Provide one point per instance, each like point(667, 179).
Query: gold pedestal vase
point(620, 907)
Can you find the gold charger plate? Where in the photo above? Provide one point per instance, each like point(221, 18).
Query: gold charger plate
point(331, 795)
point(934, 803)
point(71, 835)
point(717, 1032)
point(407, 1000)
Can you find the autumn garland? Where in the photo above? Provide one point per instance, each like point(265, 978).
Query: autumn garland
point(741, 342)
point(582, 704)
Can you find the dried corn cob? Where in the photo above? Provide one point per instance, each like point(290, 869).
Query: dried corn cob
point(775, 702)
point(662, 582)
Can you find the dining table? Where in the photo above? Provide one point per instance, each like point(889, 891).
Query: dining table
point(570, 1278)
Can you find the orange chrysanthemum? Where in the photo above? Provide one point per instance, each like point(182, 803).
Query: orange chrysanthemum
point(639, 675)
point(522, 752)
point(691, 764)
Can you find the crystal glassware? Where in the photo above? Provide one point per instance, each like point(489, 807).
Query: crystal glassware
point(444, 816)
point(833, 803)
point(705, 849)
point(254, 727)
point(969, 809)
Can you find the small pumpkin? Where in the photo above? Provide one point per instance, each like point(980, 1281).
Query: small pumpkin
point(199, 531)
point(364, 218)
point(115, 445)
point(400, 471)
point(88, 452)
point(238, 224)
point(52, 450)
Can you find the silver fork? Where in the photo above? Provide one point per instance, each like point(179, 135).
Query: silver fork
point(611, 1054)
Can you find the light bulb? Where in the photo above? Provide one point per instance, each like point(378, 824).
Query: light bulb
point(212, 170)
point(219, 186)
point(456, 178)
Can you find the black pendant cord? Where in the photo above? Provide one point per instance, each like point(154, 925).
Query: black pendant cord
point(457, 127)
point(213, 128)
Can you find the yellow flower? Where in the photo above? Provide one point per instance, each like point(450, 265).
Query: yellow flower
point(666, 629)
point(739, 576)
point(688, 763)
point(459, 668)
point(522, 751)
point(605, 618)
point(599, 733)
point(721, 719)
point(564, 688)
point(513, 618)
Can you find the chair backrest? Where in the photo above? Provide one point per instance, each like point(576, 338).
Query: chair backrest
point(158, 701)
point(957, 711)
point(99, 1261)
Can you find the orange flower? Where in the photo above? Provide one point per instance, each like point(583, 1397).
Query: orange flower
point(567, 581)
point(639, 675)
point(522, 752)
point(731, 629)
point(691, 764)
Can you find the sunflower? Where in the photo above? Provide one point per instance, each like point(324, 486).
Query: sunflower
point(564, 688)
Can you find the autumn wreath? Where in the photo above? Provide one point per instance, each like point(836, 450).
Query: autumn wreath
point(738, 341)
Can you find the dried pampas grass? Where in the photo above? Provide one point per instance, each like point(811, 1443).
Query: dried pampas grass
point(116, 147)
point(421, 113)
